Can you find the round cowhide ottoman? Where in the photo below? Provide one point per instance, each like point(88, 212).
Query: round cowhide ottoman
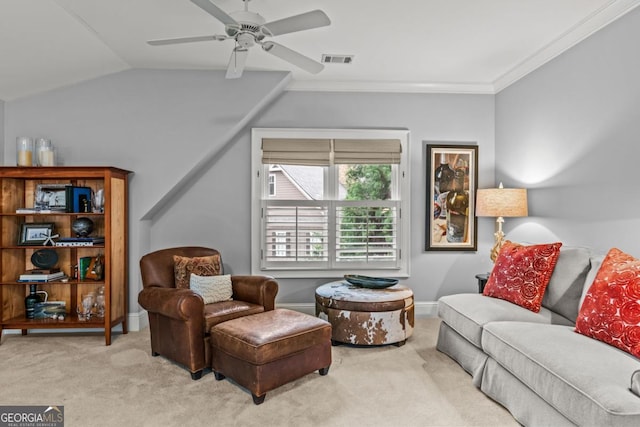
point(364, 316)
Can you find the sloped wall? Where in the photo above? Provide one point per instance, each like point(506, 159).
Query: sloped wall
point(159, 124)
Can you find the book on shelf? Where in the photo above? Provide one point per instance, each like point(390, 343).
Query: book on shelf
point(39, 211)
point(78, 199)
point(83, 265)
point(26, 277)
point(80, 241)
point(42, 270)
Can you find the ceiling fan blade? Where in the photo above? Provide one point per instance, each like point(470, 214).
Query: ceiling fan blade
point(304, 21)
point(214, 10)
point(293, 57)
point(236, 63)
point(161, 42)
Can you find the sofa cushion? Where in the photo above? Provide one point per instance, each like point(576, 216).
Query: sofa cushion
point(611, 309)
point(568, 281)
point(202, 265)
point(468, 313)
point(226, 310)
point(596, 262)
point(521, 273)
point(585, 380)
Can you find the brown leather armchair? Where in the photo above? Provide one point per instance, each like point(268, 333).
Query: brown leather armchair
point(179, 321)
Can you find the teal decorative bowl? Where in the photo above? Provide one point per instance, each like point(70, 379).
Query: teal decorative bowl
point(370, 282)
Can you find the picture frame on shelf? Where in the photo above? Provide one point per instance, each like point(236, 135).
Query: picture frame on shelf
point(51, 197)
point(35, 233)
point(452, 181)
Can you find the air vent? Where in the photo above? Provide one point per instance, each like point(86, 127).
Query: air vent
point(337, 59)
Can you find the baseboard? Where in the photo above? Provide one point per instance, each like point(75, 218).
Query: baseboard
point(139, 321)
point(421, 309)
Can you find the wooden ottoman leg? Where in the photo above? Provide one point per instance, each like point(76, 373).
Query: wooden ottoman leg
point(323, 371)
point(218, 375)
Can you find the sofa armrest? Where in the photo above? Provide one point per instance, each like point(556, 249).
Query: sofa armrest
point(179, 304)
point(261, 290)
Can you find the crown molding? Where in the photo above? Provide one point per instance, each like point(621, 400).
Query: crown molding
point(396, 87)
point(583, 29)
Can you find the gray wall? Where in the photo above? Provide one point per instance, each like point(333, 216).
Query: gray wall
point(161, 124)
point(570, 132)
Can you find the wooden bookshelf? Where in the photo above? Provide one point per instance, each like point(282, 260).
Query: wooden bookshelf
point(18, 186)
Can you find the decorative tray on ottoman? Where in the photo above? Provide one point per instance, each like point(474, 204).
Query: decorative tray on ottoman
point(370, 282)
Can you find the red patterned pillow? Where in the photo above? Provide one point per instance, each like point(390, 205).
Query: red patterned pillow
point(200, 265)
point(521, 273)
point(610, 311)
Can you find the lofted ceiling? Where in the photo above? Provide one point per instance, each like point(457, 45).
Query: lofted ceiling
point(464, 46)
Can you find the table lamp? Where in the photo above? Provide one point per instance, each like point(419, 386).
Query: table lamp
point(501, 202)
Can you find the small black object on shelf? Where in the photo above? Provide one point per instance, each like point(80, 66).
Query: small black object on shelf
point(82, 226)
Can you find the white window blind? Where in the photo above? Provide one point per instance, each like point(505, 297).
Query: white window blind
point(371, 151)
point(324, 152)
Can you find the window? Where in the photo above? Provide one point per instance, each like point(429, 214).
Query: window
point(339, 208)
point(272, 184)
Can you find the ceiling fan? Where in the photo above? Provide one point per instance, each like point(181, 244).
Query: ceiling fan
point(249, 28)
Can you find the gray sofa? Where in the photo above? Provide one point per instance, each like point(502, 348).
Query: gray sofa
point(534, 364)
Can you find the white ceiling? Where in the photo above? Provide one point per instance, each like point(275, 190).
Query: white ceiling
point(472, 46)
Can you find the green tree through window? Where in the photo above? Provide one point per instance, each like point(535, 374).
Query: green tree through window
point(366, 231)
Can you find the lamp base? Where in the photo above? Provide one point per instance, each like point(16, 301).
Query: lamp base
point(499, 236)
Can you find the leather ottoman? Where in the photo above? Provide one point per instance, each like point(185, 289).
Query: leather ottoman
point(266, 350)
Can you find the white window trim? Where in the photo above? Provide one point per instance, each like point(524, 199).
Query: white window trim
point(259, 182)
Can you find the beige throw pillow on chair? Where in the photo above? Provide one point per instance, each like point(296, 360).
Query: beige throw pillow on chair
point(212, 288)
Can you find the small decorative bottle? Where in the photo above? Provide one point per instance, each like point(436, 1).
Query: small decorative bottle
point(457, 209)
point(444, 175)
point(30, 301)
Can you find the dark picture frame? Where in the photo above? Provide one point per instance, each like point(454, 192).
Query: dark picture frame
point(451, 184)
point(35, 233)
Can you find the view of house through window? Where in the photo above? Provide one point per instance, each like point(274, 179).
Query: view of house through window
point(337, 206)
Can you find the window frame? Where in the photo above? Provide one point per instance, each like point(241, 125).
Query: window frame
point(260, 186)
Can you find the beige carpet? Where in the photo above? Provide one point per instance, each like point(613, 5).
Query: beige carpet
point(122, 385)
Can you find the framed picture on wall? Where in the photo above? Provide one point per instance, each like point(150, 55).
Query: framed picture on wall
point(452, 180)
